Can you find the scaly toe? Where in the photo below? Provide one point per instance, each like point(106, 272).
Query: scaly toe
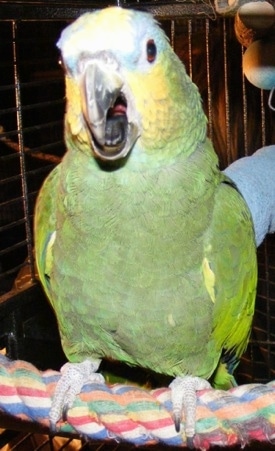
point(184, 399)
point(73, 377)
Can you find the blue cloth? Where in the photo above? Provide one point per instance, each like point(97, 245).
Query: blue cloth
point(254, 176)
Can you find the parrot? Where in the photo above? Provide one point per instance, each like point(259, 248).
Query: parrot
point(145, 249)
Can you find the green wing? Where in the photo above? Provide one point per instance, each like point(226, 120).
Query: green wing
point(45, 227)
point(230, 273)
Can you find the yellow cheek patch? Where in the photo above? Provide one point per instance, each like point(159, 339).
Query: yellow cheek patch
point(209, 279)
point(74, 116)
point(157, 104)
point(74, 110)
point(152, 103)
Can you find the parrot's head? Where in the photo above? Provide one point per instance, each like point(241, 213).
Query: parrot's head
point(127, 91)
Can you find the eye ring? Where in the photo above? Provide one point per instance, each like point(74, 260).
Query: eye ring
point(151, 50)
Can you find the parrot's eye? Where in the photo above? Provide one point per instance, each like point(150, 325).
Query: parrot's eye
point(151, 51)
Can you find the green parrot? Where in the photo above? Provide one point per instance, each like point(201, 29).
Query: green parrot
point(145, 249)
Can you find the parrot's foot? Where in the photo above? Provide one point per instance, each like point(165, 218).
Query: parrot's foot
point(184, 398)
point(73, 377)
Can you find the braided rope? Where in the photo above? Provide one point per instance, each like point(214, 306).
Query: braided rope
point(138, 416)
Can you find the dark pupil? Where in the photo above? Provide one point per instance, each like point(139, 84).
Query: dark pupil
point(151, 50)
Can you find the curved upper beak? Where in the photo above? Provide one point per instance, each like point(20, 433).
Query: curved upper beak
point(106, 110)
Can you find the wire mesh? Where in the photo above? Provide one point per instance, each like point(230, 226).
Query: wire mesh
point(31, 137)
point(31, 144)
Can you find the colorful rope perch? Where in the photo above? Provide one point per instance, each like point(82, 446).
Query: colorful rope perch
point(141, 417)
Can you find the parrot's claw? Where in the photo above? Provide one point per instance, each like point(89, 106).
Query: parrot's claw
point(184, 399)
point(73, 377)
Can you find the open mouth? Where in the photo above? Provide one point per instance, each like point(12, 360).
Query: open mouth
point(116, 133)
point(116, 128)
point(107, 110)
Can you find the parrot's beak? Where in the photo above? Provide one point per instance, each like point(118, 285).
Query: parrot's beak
point(107, 109)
